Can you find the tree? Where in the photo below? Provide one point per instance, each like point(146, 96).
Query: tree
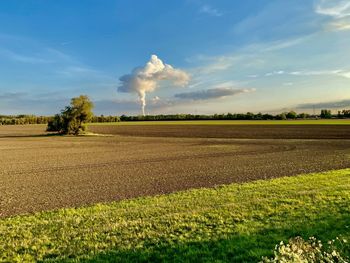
point(73, 118)
point(282, 116)
point(55, 124)
point(291, 115)
point(303, 116)
point(326, 114)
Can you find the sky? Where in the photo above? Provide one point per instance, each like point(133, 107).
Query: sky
point(184, 56)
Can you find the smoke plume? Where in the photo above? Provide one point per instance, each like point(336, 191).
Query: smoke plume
point(145, 79)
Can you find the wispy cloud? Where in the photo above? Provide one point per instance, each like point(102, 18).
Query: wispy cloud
point(9, 54)
point(12, 95)
point(274, 73)
point(248, 55)
point(59, 55)
point(339, 25)
point(338, 11)
point(77, 70)
point(207, 9)
point(340, 104)
point(336, 72)
point(219, 63)
point(285, 43)
point(333, 8)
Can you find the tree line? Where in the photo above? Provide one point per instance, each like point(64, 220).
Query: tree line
point(344, 114)
point(23, 119)
point(291, 115)
point(32, 119)
point(228, 116)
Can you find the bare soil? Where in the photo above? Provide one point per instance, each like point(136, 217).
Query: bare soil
point(40, 172)
point(230, 131)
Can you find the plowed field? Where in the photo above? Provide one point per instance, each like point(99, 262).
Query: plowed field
point(40, 172)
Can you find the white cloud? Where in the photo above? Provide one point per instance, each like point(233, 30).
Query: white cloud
point(206, 9)
point(274, 73)
point(286, 43)
point(338, 11)
point(145, 79)
point(333, 8)
point(336, 72)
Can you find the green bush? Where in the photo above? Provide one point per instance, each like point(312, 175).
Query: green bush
point(73, 118)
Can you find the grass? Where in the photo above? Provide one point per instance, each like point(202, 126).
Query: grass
point(236, 223)
point(233, 122)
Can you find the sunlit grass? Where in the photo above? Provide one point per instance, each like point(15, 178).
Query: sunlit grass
point(236, 223)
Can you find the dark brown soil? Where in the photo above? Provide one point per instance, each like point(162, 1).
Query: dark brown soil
point(231, 131)
point(47, 172)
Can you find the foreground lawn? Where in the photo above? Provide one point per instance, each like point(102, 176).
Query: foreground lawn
point(232, 122)
point(236, 223)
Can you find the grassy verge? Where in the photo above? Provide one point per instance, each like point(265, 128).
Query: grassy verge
point(232, 122)
point(236, 223)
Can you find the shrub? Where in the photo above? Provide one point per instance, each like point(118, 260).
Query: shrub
point(291, 115)
point(326, 114)
point(311, 251)
point(73, 118)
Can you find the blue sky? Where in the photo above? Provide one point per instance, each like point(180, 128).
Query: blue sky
point(266, 55)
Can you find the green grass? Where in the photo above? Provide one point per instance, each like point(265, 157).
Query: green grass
point(233, 122)
point(236, 223)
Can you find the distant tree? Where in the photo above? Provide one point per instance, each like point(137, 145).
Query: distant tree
point(326, 114)
point(249, 116)
point(73, 118)
point(259, 116)
point(303, 116)
point(291, 115)
point(344, 114)
point(282, 116)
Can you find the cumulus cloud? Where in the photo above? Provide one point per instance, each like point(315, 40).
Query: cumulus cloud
point(214, 93)
point(145, 79)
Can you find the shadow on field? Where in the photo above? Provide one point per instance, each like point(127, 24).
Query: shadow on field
point(236, 248)
point(7, 136)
